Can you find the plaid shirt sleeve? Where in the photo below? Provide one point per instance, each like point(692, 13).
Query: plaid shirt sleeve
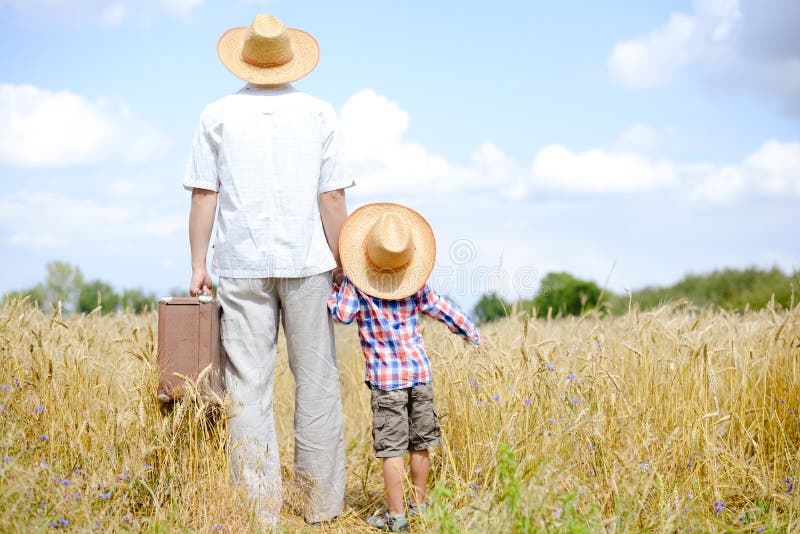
point(443, 310)
point(343, 302)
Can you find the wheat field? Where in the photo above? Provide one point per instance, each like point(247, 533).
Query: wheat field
point(672, 420)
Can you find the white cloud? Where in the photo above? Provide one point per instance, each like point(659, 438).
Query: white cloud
point(750, 44)
point(639, 138)
point(385, 163)
point(102, 12)
point(52, 220)
point(771, 171)
point(42, 128)
point(600, 172)
point(653, 60)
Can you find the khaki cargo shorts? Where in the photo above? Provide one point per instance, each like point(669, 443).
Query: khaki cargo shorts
point(404, 420)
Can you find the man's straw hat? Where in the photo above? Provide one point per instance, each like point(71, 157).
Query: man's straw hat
point(267, 53)
point(387, 250)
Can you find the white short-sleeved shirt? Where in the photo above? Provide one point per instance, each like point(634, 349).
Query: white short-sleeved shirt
point(268, 152)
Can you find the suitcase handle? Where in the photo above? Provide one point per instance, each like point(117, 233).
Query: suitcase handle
point(205, 299)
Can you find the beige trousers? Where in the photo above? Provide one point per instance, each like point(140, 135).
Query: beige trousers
point(251, 308)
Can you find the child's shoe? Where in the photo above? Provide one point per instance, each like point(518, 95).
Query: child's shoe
point(391, 523)
point(417, 510)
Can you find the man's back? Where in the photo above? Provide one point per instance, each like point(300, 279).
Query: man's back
point(269, 152)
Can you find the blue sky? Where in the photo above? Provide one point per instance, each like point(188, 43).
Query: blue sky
point(660, 138)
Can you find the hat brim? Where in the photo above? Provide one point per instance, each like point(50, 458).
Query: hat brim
point(392, 285)
point(304, 48)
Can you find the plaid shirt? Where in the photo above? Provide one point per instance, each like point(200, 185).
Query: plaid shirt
point(390, 335)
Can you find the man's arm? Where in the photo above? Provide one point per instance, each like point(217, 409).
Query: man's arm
point(333, 210)
point(201, 221)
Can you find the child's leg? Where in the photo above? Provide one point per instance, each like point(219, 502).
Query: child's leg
point(393, 470)
point(420, 469)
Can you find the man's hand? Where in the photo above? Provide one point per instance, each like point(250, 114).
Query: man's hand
point(201, 283)
point(338, 275)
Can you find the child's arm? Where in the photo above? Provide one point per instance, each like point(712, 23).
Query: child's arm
point(445, 311)
point(343, 302)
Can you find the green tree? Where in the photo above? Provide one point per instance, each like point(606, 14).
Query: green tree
point(63, 283)
point(97, 293)
point(137, 300)
point(490, 307)
point(566, 295)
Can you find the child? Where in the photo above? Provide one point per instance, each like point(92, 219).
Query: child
point(387, 253)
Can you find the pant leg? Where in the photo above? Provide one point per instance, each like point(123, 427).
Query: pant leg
point(249, 335)
point(319, 439)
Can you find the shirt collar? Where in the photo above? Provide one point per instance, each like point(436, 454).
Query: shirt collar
point(252, 88)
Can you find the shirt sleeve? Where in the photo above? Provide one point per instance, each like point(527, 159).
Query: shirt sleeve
point(343, 302)
point(443, 310)
point(333, 173)
point(201, 169)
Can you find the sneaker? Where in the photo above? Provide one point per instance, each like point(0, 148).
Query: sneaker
point(391, 523)
point(417, 510)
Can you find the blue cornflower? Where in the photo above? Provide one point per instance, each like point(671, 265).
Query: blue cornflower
point(76, 496)
point(576, 401)
point(592, 448)
point(761, 529)
point(478, 469)
point(473, 383)
point(550, 367)
point(39, 409)
point(148, 466)
point(551, 421)
point(645, 467)
point(474, 485)
point(790, 483)
point(127, 520)
point(527, 401)
point(7, 458)
point(216, 527)
point(43, 464)
point(5, 387)
point(52, 524)
point(571, 376)
point(496, 398)
point(63, 522)
point(44, 437)
point(478, 404)
point(125, 476)
point(718, 507)
point(65, 482)
point(105, 496)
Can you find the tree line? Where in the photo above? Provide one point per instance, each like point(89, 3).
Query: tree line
point(559, 293)
point(65, 283)
point(730, 289)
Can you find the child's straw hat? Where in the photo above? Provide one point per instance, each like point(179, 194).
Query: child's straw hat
point(267, 53)
point(387, 250)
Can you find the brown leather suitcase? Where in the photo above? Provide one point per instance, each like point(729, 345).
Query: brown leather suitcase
point(188, 342)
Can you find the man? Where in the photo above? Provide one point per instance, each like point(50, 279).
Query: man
point(269, 155)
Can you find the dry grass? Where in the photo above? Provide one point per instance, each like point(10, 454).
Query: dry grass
point(668, 413)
